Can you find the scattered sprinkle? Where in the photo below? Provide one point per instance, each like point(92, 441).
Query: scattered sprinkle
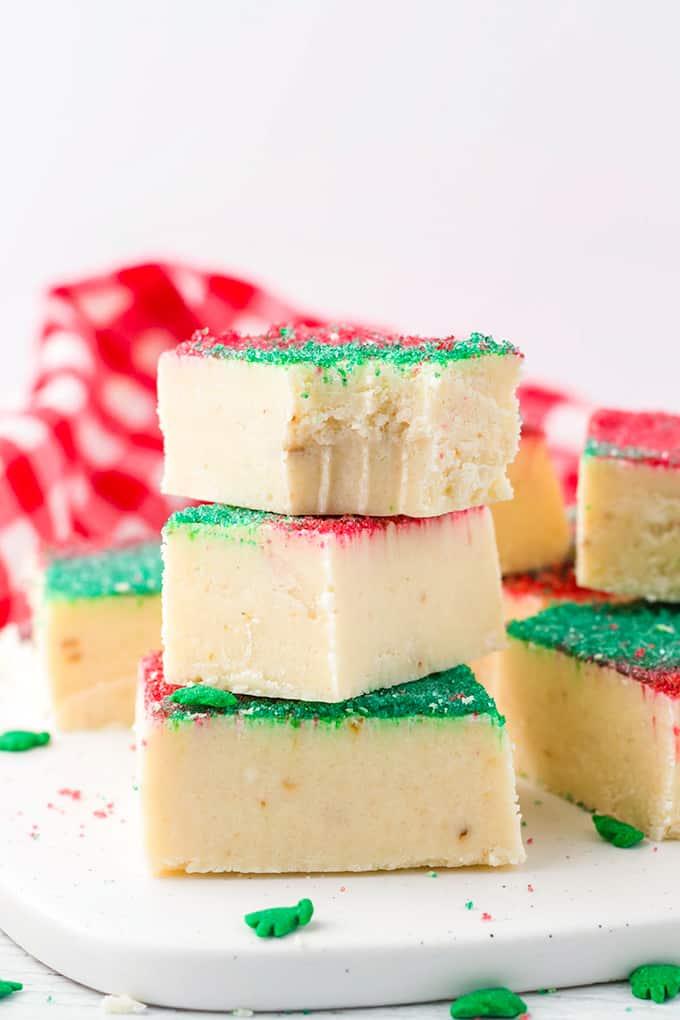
point(242, 1012)
point(279, 921)
point(8, 987)
point(656, 981)
point(469, 905)
point(619, 834)
point(120, 1004)
point(73, 794)
point(488, 1002)
point(203, 696)
point(530, 887)
point(22, 740)
point(486, 916)
point(432, 874)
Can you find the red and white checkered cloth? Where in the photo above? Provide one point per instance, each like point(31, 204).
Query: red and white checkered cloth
point(84, 459)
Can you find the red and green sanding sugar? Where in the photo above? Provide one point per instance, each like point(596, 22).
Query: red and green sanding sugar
point(652, 438)
point(249, 526)
point(451, 694)
point(640, 639)
point(338, 351)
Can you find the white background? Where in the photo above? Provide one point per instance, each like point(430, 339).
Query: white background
point(512, 167)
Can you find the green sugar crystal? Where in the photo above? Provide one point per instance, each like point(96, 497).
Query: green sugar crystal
point(639, 636)
point(127, 570)
point(453, 693)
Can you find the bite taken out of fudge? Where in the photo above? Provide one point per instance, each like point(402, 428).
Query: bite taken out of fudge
point(417, 775)
point(325, 609)
point(97, 612)
point(592, 692)
point(339, 420)
point(532, 528)
point(628, 522)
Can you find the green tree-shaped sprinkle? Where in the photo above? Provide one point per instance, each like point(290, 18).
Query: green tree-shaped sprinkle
point(203, 696)
point(279, 921)
point(491, 1002)
point(22, 740)
point(7, 987)
point(656, 981)
point(618, 833)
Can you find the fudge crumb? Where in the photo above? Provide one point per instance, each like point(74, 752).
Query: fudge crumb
point(121, 1004)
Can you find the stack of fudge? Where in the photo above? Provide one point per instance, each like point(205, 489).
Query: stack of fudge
point(311, 710)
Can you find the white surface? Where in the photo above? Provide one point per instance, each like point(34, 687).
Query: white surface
point(73, 891)
point(47, 994)
point(439, 166)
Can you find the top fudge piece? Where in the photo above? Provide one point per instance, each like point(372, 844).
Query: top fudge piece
point(339, 420)
point(628, 531)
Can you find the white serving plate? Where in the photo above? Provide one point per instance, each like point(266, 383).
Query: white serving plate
point(75, 893)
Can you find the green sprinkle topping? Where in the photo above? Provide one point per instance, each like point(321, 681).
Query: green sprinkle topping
point(341, 350)
point(203, 696)
point(220, 515)
point(279, 921)
point(7, 987)
point(488, 1002)
point(128, 570)
point(22, 740)
point(626, 637)
point(656, 981)
point(451, 694)
point(617, 833)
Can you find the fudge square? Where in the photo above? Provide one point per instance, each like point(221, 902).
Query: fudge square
point(628, 524)
point(98, 613)
point(593, 694)
point(339, 420)
point(420, 774)
point(324, 609)
point(532, 529)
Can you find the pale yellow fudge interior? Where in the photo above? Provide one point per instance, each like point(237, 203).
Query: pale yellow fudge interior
point(628, 528)
point(99, 613)
point(419, 776)
point(325, 609)
point(532, 528)
point(601, 731)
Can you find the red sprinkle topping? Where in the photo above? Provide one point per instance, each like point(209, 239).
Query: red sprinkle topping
point(556, 583)
point(653, 437)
